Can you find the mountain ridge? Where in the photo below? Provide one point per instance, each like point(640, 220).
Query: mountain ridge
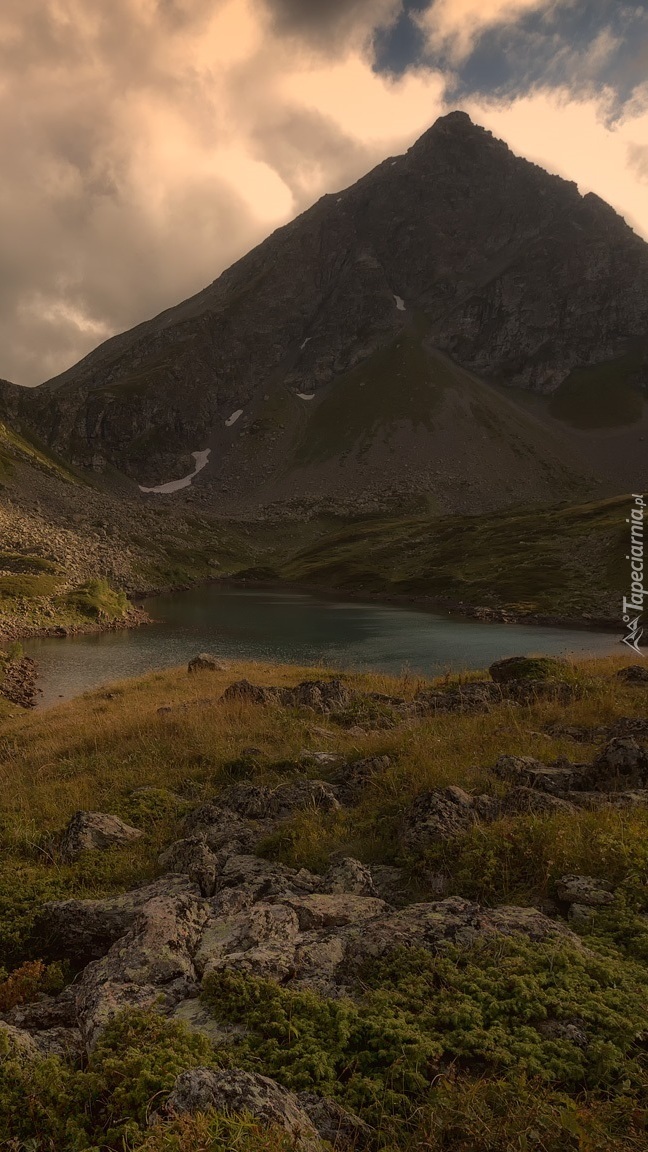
point(458, 247)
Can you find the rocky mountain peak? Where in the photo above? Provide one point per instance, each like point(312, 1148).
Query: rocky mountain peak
point(439, 274)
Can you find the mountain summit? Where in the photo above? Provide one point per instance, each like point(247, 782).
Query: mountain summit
point(379, 344)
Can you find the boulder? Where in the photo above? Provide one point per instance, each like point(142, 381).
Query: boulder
point(441, 814)
point(527, 668)
point(236, 1093)
point(586, 890)
point(151, 965)
point(621, 766)
point(634, 674)
point(84, 930)
point(205, 662)
point(193, 858)
point(17, 1044)
point(530, 773)
point(95, 831)
point(349, 875)
point(351, 780)
point(341, 1129)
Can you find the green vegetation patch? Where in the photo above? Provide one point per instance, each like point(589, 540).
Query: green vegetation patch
point(48, 1104)
point(483, 1010)
point(398, 383)
point(97, 599)
point(560, 560)
point(29, 586)
point(26, 563)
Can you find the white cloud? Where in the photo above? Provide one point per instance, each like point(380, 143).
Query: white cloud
point(455, 25)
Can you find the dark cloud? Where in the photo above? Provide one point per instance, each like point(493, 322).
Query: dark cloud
point(581, 45)
point(326, 24)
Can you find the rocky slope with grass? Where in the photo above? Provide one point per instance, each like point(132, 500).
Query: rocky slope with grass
point(369, 352)
point(242, 909)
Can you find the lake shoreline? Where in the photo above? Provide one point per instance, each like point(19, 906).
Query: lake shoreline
point(445, 605)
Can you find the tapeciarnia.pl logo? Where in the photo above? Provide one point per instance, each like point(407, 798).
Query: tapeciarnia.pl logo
point(634, 604)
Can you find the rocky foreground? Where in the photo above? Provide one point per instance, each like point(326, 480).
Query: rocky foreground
point(227, 926)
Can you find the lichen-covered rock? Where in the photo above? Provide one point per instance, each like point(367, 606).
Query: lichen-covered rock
point(83, 930)
point(586, 890)
point(152, 963)
point(205, 662)
point(634, 674)
point(253, 801)
point(349, 875)
point(441, 814)
point(621, 766)
point(352, 780)
point(342, 1129)
point(17, 1044)
point(192, 857)
point(235, 1092)
point(527, 668)
point(93, 831)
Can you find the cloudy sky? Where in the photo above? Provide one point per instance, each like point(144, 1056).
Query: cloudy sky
point(147, 144)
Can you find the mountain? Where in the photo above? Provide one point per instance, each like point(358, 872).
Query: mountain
point(458, 329)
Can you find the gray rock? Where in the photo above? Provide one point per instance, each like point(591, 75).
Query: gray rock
point(526, 668)
point(441, 814)
point(235, 1092)
point(634, 674)
point(622, 765)
point(340, 1128)
point(17, 1044)
point(93, 831)
point(151, 965)
point(586, 890)
point(192, 857)
point(349, 875)
point(83, 930)
point(207, 663)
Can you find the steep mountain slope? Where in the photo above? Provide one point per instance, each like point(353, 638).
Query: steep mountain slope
point(443, 272)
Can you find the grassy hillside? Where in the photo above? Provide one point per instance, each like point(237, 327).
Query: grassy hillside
point(438, 1051)
point(559, 561)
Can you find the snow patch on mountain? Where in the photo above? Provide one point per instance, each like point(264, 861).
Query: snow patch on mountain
point(201, 459)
